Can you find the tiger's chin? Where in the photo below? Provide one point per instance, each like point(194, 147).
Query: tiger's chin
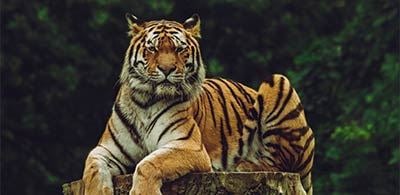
point(168, 91)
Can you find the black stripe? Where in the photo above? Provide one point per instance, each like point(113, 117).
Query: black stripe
point(275, 131)
point(240, 129)
point(278, 162)
point(284, 158)
point(153, 122)
point(178, 112)
point(206, 82)
point(290, 135)
point(114, 160)
point(251, 134)
point(302, 130)
point(253, 115)
point(130, 54)
point(138, 46)
point(153, 99)
point(201, 111)
point(198, 60)
point(237, 98)
point(297, 148)
point(278, 98)
point(239, 122)
point(241, 144)
point(114, 163)
point(131, 127)
point(157, 32)
point(243, 91)
point(308, 142)
point(166, 28)
point(308, 160)
point(305, 175)
point(286, 133)
point(193, 55)
point(291, 115)
point(291, 160)
point(174, 37)
point(269, 80)
point(197, 108)
point(224, 152)
point(169, 127)
point(224, 106)
point(270, 159)
point(304, 148)
point(240, 102)
point(260, 112)
point(174, 32)
point(137, 40)
point(189, 134)
point(209, 99)
point(118, 162)
point(151, 27)
point(236, 159)
point(288, 97)
point(119, 146)
point(278, 153)
point(260, 106)
point(193, 42)
point(178, 126)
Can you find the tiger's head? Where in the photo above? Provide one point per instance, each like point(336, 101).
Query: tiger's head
point(163, 60)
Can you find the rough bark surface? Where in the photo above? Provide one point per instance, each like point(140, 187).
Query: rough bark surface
point(212, 183)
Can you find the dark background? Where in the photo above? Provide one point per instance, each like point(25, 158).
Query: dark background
point(60, 61)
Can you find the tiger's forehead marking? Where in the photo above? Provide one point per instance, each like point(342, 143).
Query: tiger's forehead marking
point(157, 30)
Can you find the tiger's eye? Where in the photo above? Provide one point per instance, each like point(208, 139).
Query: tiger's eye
point(179, 49)
point(151, 48)
point(190, 66)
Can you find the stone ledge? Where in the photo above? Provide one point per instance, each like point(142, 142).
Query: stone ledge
point(212, 183)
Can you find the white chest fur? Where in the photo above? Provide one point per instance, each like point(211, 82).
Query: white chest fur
point(150, 122)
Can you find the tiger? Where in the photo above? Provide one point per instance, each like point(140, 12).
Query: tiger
point(168, 120)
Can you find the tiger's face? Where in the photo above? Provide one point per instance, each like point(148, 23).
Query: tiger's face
point(163, 59)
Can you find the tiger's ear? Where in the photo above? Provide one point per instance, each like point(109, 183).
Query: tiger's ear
point(134, 24)
point(192, 25)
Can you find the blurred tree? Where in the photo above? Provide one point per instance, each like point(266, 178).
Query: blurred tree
point(60, 62)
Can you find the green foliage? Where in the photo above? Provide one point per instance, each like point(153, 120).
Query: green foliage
point(214, 67)
point(61, 60)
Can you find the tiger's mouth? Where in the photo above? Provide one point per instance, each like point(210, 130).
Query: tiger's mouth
point(166, 82)
point(167, 86)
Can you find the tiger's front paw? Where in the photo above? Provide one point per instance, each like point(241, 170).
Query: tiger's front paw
point(105, 190)
point(144, 187)
point(144, 190)
point(146, 180)
point(97, 179)
point(98, 188)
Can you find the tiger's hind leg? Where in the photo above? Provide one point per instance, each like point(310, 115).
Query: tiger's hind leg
point(279, 135)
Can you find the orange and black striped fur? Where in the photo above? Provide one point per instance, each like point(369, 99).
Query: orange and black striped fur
point(168, 120)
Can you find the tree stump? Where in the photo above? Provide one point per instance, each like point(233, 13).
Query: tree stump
point(212, 183)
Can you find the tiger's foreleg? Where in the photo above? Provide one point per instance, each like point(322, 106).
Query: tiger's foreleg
point(112, 156)
point(172, 160)
point(98, 172)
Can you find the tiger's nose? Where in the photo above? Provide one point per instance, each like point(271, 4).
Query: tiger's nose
point(166, 69)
